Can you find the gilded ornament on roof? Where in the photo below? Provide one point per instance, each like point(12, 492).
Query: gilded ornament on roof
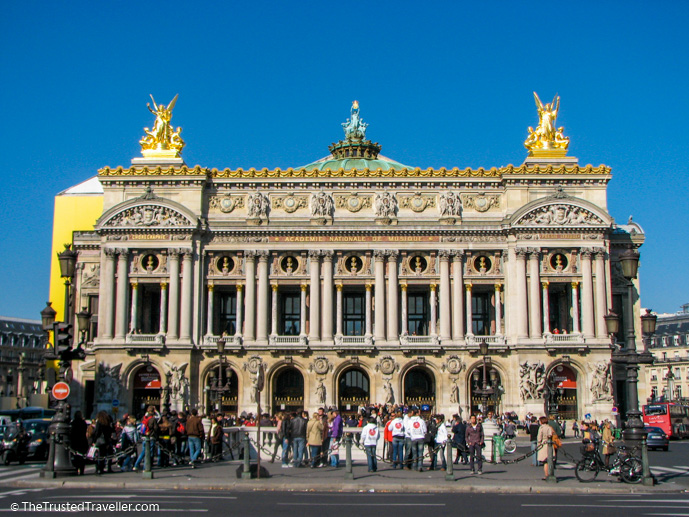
point(162, 141)
point(547, 140)
point(355, 128)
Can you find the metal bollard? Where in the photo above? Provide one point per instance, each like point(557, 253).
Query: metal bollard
point(348, 458)
point(648, 479)
point(550, 478)
point(48, 471)
point(147, 473)
point(449, 473)
point(246, 473)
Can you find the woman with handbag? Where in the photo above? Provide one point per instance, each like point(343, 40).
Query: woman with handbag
point(608, 439)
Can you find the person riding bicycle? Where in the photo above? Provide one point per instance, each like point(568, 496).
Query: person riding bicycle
point(510, 430)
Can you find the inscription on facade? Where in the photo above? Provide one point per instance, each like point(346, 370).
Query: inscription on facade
point(353, 238)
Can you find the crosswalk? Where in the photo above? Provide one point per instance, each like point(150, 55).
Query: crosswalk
point(16, 472)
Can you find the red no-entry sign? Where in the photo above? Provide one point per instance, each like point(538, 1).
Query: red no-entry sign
point(61, 390)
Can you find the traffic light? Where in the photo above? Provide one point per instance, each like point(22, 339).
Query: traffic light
point(63, 337)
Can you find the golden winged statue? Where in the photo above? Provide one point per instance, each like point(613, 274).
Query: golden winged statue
point(546, 138)
point(162, 140)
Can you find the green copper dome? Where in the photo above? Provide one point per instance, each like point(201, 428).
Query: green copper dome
point(355, 152)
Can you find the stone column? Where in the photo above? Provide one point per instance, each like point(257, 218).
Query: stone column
point(240, 310)
point(575, 308)
point(262, 296)
point(107, 296)
point(302, 312)
point(135, 307)
point(601, 299)
point(122, 287)
point(163, 308)
point(209, 316)
point(393, 334)
point(445, 312)
point(338, 309)
point(498, 310)
point(434, 313)
point(173, 306)
point(470, 316)
point(587, 293)
point(520, 305)
point(369, 323)
point(379, 257)
point(457, 296)
point(405, 309)
point(185, 313)
point(327, 318)
point(315, 295)
point(534, 294)
point(250, 279)
point(274, 314)
point(546, 308)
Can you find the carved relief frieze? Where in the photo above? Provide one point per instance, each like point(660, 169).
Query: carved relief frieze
point(481, 202)
point(385, 204)
point(258, 205)
point(322, 204)
point(290, 203)
point(148, 216)
point(90, 277)
point(387, 365)
point(560, 214)
point(473, 238)
point(353, 202)
point(450, 204)
point(233, 238)
point(321, 365)
point(226, 204)
point(417, 202)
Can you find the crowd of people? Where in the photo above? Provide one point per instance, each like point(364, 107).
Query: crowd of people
point(409, 436)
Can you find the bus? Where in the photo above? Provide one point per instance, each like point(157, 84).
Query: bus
point(671, 417)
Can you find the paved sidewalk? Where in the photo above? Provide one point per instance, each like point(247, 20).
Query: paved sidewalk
point(513, 478)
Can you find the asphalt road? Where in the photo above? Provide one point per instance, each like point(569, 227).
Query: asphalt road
point(309, 504)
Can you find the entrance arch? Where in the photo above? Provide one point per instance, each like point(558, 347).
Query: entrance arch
point(146, 389)
point(494, 381)
point(354, 390)
point(288, 390)
point(419, 388)
point(225, 401)
point(562, 381)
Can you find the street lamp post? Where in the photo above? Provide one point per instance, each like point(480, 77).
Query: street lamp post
point(220, 384)
point(486, 390)
point(59, 462)
point(634, 432)
point(167, 390)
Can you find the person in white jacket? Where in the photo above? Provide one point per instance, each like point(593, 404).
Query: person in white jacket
point(370, 436)
point(415, 429)
point(440, 441)
point(396, 426)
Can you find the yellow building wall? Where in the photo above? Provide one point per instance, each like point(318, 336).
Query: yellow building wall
point(72, 213)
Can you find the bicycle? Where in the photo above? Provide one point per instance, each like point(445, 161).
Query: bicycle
point(510, 444)
point(626, 465)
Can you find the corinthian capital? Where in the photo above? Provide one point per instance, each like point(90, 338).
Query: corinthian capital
point(315, 254)
point(110, 253)
point(327, 255)
point(379, 254)
point(262, 255)
point(392, 255)
point(250, 254)
point(522, 253)
point(444, 255)
point(587, 253)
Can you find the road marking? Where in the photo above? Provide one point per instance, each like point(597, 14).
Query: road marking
point(669, 470)
point(683, 501)
point(601, 506)
point(13, 476)
point(132, 496)
point(160, 510)
point(363, 504)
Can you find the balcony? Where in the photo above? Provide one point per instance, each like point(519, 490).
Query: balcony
point(422, 343)
point(563, 339)
point(354, 342)
point(497, 340)
point(145, 341)
point(231, 342)
point(291, 343)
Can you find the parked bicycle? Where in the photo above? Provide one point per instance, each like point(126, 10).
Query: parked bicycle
point(626, 464)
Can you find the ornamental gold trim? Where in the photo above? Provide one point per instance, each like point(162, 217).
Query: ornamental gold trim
point(455, 172)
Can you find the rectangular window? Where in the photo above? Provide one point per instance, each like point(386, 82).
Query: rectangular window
point(225, 317)
point(290, 314)
point(480, 314)
point(149, 315)
point(93, 309)
point(354, 317)
point(417, 314)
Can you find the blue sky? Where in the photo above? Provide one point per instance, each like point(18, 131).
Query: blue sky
point(267, 84)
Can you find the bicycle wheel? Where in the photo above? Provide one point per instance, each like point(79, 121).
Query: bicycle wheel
point(632, 470)
point(586, 470)
point(510, 445)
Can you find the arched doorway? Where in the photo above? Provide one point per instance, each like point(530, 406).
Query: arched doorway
point(146, 389)
point(288, 390)
point(222, 390)
point(562, 393)
point(485, 402)
point(354, 391)
point(419, 389)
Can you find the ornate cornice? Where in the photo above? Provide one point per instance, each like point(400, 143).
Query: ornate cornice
point(154, 171)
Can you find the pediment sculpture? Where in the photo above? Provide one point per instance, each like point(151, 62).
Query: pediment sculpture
point(559, 215)
point(148, 216)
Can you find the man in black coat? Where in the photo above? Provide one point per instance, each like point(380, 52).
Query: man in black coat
point(459, 440)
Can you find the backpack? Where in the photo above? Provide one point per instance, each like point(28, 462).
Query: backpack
point(557, 442)
point(181, 428)
point(431, 431)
